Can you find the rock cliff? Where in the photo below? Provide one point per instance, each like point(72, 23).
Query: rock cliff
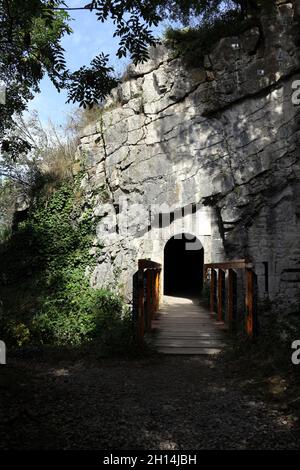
point(212, 151)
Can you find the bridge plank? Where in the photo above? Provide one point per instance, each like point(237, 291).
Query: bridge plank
point(184, 327)
point(190, 351)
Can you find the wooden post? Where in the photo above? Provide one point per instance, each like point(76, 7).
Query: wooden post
point(146, 295)
point(251, 322)
point(156, 291)
point(231, 300)
point(152, 310)
point(250, 287)
point(212, 289)
point(148, 298)
point(221, 279)
point(158, 288)
point(140, 305)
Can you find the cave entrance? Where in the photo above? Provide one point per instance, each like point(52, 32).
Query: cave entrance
point(183, 266)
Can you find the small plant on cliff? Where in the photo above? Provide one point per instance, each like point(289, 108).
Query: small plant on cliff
point(193, 43)
point(206, 22)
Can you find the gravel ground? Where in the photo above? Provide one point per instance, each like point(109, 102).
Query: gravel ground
point(163, 403)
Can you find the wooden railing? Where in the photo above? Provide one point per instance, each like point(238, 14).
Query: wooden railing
point(148, 295)
point(226, 305)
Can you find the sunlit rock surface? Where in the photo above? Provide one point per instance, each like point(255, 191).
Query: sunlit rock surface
point(221, 139)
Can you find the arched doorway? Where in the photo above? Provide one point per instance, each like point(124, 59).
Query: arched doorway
point(183, 266)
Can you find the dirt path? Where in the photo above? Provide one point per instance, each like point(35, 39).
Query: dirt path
point(159, 403)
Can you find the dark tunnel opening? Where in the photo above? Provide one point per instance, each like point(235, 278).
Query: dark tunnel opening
point(183, 266)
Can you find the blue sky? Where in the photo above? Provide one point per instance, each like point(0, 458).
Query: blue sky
point(88, 39)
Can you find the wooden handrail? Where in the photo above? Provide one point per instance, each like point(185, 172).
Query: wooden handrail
point(218, 273)
point(234, 264)
point(148, 264)
point(148, 295)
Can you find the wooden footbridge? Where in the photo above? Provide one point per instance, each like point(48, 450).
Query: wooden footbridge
point(178, 325)
point(182, 326)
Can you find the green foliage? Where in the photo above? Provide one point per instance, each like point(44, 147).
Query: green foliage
point(29, 47)
point(207, 11)
point(5, 233)
point(20, 332)
point(91, 85)
point(82, 315)
point(46, 296)
point(203, 10)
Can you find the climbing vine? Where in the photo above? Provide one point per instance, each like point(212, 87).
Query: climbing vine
point(46, 295)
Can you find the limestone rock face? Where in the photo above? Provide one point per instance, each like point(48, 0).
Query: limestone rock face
point(214, 150)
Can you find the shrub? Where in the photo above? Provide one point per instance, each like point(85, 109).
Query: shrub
point(19, 332)
point(46, 297)
point(93, 316)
